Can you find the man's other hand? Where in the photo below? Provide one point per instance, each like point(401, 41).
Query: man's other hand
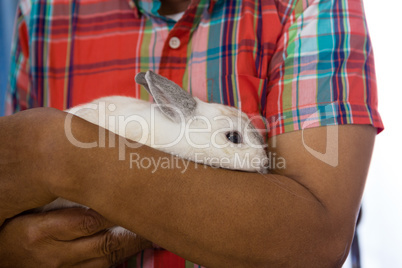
point(64, 238)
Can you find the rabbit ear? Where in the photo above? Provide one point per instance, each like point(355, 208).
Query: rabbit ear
point(170, 97)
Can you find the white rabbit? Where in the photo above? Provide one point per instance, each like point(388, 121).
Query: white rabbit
point(209, 133)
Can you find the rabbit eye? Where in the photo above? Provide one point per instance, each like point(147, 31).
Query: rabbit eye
point(234, 137)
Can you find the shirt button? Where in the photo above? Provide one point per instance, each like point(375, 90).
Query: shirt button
point(174, 42)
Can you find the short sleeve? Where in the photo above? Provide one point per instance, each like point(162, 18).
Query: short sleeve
point(322, 71)
point(19, 96)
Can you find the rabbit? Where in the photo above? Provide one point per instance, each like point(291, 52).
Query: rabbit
point(178, 124)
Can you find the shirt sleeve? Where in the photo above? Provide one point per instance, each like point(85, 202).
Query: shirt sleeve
point(322, 72)
point(19, 96)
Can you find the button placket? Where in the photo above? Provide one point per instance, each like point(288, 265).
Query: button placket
point(174, 53)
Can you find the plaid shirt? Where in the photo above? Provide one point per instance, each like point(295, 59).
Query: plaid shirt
point(297, 63)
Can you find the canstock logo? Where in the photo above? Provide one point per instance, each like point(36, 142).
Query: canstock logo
point(330, 156)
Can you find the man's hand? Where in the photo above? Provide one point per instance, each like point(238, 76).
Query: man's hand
point(64, 238)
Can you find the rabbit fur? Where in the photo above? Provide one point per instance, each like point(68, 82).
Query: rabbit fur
point(178, 124)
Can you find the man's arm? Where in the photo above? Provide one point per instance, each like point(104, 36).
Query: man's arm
point(302, 215)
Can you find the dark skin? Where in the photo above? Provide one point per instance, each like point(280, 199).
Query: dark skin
point(67, 237)
point(299, 216)
point(169, 7)
point(39, 233)
point(318, 202)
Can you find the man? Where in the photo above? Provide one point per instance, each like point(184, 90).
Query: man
point(306, 66)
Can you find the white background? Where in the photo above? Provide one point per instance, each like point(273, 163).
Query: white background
point(380, 232)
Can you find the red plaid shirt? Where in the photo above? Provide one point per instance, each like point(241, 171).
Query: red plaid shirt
point(297, 63)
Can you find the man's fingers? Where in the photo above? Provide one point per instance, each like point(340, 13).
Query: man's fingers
point(71, 223)
point(65, 238)
point(114, 248)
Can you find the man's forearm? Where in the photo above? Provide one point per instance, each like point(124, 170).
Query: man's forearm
point(213, 217)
